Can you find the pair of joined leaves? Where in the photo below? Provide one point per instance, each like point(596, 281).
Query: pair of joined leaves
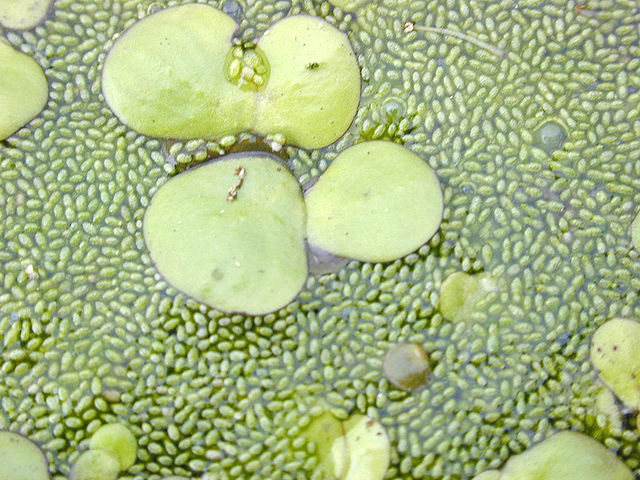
point(178, 74)
point(231, 233)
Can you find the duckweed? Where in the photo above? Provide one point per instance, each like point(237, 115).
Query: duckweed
point(376, 202)
point(564, 456)
point(91, 334)
point(117, 440)
point(230, 233)
point(95, 465)
point(21, 459)
point(615, 352)
point(461, 291)
point(23, 89)
point(23, 14)
point(156, 83)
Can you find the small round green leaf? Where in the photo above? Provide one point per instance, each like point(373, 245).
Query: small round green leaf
point(615, 351)
point(118, 440)
point(230, 233)
point(95, 465)
point(376, 202)
point(23, 14)
point(461, 291)
point(566, 456)
point(23, 89)
point(314, 86)
point(21, 459)
point(166, 76)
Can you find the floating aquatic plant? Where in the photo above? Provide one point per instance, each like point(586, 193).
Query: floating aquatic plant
point(368, 448)
point(21, 459)
point(406, 366)
point(117, 440)
point(488, 475)
point(615, 351)
point(157, 83)
point(314, 88)
point(566, 456)
point(328, 434)
point(300, 79)
point(461, 291)
point(95, 465)
point(356, 449)
point(23, 89)
point(376, 202)
point(230, 233)
point(23, 14)
point(635, 232)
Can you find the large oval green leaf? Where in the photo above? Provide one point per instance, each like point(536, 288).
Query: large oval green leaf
point(376, 202)
point(241, 252)
point(23, 89)
point(23, 14)
point(21, 459)
point(615, 351)
point(314, 86)
point(566, 456)
point(165, 76)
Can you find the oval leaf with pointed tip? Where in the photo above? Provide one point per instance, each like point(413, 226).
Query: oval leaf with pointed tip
point(314, 86)
point(241, 252)
point(165, 76)
point(23, 89)
point(615, 351)
point(21, 459)
point(23, 14)
point(566, 456)
point(376, 202)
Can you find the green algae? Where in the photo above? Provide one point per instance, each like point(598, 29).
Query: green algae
point(230, 233)
point(376, 202)
point(21, 459)
point(23, 89)
point(23, 14)
point(96, 333)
